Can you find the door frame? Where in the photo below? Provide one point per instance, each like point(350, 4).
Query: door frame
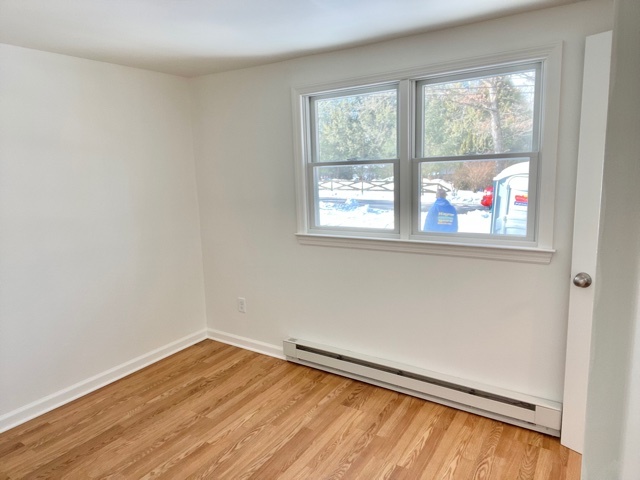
point(593, 124)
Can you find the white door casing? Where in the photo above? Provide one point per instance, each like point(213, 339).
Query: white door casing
point(593, 122)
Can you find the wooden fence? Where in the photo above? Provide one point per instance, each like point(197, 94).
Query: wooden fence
point(428, 186)
point(357, 185)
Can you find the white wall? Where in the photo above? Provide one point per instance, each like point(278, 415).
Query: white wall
point(501, 323)
point(612, 439)
point(100, 253)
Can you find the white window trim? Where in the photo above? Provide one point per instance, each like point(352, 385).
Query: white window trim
point(489, 252)
point(539, 252)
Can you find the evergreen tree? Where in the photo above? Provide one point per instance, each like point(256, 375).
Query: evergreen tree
point(358, 127)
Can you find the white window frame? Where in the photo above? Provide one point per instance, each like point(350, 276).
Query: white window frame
point(538, 249)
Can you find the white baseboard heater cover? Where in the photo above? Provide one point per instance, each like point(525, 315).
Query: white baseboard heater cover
point(504, 405)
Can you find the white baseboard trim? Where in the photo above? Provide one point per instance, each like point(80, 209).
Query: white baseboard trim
point(246, 343)
point(61, 397)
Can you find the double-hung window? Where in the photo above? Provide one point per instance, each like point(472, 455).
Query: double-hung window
point(441, 159)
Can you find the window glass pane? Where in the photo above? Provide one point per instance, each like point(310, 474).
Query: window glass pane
point(358, 196)
point(475, 196)
point(356, 127)
point(492, 114)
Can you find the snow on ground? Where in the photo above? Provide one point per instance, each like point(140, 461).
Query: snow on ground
point(351, 212)
point(475, 221)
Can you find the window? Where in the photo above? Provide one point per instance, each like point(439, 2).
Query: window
point(438, 159)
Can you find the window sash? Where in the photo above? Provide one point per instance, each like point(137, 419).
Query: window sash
point(313, 200)
point(503, 239)
point(312, 100)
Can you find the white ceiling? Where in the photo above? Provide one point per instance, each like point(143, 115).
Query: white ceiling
point(195, 37)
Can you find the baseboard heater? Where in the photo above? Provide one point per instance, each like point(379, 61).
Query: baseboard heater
point(511, 407)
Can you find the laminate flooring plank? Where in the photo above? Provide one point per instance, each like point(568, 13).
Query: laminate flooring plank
point(574, 465)
point(376, 414)
point(546, 469)
point(528, 464)
point(438, 446)
point(289, 424)
point(375, 468)
point(486, 458)
point(455, 449)
point(466, 464)
point(258, 440)
point(400, 434)
point(324, 444)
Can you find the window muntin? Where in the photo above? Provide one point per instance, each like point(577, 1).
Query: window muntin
point(407, 204)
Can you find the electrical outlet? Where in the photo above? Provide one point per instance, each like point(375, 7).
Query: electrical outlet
point(242, 305)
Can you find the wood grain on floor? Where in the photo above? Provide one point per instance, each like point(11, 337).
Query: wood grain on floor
point(220, 412)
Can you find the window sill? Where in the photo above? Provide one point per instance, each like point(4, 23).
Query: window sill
point(540, 256)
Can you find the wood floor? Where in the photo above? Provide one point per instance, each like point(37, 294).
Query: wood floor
point(216, 411)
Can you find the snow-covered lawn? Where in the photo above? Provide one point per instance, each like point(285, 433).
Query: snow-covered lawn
point(348, 209)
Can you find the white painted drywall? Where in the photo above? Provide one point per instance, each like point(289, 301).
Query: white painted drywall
point(500, 323)
point(100, 254)
point(612, 439)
